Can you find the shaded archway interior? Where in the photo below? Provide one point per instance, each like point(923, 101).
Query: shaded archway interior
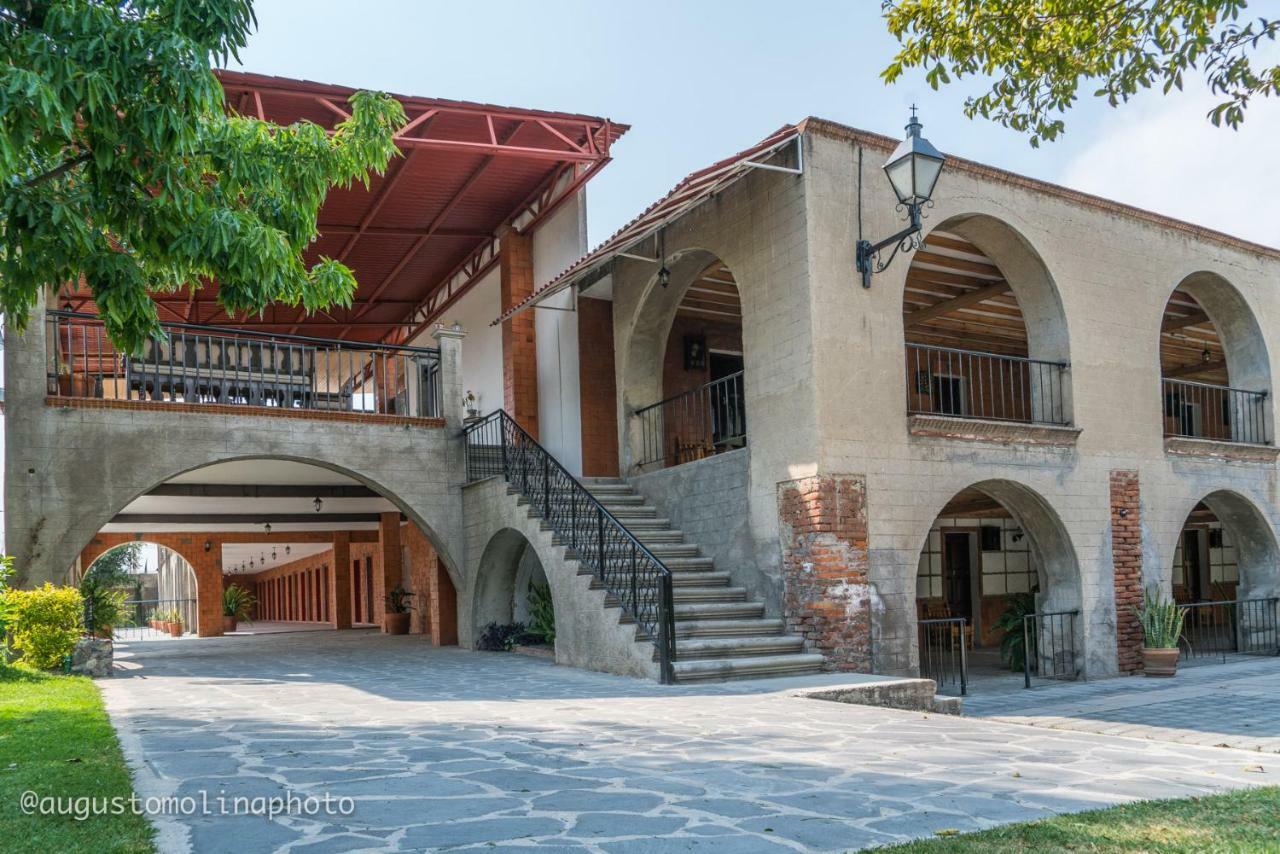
point(970, 350)
point(510, 570)
point(161, 580)
point(313, 545)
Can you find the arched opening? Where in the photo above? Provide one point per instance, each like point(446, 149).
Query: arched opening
point(685, 374)
point(148, 584)
point(997, 556)
point(1214, 372)
point(986, 336)
point(1226, 578)
point(312, 546)
point(512, 602)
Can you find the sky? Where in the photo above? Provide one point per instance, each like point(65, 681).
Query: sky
point(699, 80)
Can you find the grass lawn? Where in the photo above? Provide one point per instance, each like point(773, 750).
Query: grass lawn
point(55, 740)
point(1248, 820)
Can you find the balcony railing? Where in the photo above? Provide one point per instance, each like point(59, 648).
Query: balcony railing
point(198, 365)
point(1195, 410)
point(694, 424)
point(970, 384)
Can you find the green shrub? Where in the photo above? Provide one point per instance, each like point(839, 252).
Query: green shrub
point(542, 613)
point(45, 623)
point(237, 602)
point(6, 608)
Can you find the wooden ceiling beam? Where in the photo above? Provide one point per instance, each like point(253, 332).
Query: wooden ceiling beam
point(919, 316)
point(1169, 324)
point(1193, 369)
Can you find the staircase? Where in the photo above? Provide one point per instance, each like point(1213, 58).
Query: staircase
point(719, 632)
point(701, 627)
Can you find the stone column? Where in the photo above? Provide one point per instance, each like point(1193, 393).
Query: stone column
point(340, 581)
point(25, 452)
point(449, 341)
point(519, 344)
point(387, 575)
point(1126, 560)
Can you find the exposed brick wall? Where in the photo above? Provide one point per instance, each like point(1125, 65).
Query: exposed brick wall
point(822, 524)
point(598, 386)
point(435, 601)
point(1126, 557)
point(304, 584)
point(519, 347)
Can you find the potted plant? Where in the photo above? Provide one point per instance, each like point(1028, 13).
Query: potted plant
point(1161, 622)
point(471, 403)
point(237, 604)
point(398, 609)
point(175, 625)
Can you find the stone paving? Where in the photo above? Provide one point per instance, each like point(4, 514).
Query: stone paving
point(443, 749)
point(1234, 704)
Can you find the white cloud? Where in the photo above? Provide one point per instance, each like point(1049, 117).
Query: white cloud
point(1165, 156)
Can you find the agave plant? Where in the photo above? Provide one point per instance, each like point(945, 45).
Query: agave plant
point(1161, 620)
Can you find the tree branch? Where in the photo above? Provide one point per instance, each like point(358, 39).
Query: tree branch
point(67, 166)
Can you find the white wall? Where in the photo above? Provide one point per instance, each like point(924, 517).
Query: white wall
point(556, 245)
point(482, 348)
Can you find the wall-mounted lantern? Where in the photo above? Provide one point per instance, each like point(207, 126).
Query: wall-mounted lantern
point(913, 170)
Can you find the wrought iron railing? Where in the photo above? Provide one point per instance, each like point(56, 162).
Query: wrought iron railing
point(142, 619)
point(196, 365)
point(1218, 629)
point(694, 424)
point(1206, 411)
point(628, 570)
point(970, 384)
point(943, 654)
point(1049, 646)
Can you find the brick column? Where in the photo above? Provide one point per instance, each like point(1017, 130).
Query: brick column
point(519, 347)
point(444, 606)
point(340, 581)
point(822, 528)
point(386, 572)
point(599, 396)
point(1126, 557)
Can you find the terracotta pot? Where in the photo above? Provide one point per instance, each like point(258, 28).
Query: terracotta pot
point(398, 624)
point(175, 630)
point(1160, 662)
point(228, 624)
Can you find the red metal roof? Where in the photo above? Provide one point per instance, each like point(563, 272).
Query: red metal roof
point(691, 191)
point(421, 234)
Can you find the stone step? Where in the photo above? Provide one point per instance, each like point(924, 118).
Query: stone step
point(736, 647)
point(728, 628)
point(696, 595)
point(635, 525)
point(674, 551)
point(627, 512)
point(679, 580)
point(717, 669)
point(649, 537)
point(715, 611)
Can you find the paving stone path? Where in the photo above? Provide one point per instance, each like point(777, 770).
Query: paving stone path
point(1234, 704)
point(442, 749)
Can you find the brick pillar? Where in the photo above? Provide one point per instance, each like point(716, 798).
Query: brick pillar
point(386, 574)
point(822, 524)
point(599, 397)
point(1126, 557)
point(444, 606)
point(519, 348)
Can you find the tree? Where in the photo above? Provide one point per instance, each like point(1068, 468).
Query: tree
point(122, 169)
point(1037, 53)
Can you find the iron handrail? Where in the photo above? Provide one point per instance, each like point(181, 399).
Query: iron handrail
point(1262, 395)
point(661, 629)
point(937, 666)
point(251, 333)
point(1023, 359)
point(724, 380)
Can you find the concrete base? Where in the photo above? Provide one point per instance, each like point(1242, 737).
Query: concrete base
point(915, 695)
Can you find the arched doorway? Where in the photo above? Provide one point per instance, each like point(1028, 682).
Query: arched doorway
point(997, 556)
point(985, 333)
point(1225, 575)
point(315, 547)
point(1215, 377)
point(512, 600)
point(151, 582)
point(685, 376)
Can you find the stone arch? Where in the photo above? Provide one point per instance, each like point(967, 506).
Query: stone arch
point(1031, 554)
point(645, 359)
point(978, 286)
point(153, 473)
point(188, 585)
point(1210, 336)
point(508, 569)
point(1249, 535)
